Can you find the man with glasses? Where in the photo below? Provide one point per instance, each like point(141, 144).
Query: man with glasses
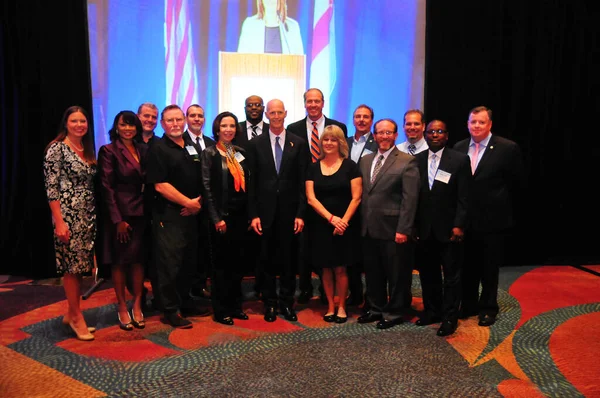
point(440, 224)
point(388, 208)
point(171, 168)
point(254, 125)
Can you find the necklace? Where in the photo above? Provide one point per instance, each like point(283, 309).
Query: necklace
point(74, 146)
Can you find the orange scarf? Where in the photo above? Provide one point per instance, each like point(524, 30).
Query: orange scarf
point(236, 170)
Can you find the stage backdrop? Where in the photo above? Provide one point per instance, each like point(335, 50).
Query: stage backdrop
point(168, 52)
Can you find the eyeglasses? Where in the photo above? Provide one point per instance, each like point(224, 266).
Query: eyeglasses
point(438, 131)
point(176, 120)
point(254, 104)
point(388, 133)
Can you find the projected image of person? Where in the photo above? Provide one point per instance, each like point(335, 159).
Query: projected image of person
point(270, 30)
point(69, 171)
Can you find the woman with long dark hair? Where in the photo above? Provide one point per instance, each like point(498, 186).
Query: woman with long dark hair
point(69, 170)
point(225, 177)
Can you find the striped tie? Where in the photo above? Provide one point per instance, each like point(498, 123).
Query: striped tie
point(432, 169)
point(412, 149)
point(254, 133)
point(314, 143)
point(377, 168)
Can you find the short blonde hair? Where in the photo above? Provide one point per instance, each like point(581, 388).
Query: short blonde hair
point(333, 131)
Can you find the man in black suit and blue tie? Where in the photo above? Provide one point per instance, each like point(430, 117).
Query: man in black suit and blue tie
point(497, 168)
point(440, 224)
point(276, 206)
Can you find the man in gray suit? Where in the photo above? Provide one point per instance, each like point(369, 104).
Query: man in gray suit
point(388, 208)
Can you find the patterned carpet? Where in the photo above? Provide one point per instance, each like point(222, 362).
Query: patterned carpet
point(544, 344)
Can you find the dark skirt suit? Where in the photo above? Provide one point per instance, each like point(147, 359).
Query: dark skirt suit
point(224, 203)
point(122, 195)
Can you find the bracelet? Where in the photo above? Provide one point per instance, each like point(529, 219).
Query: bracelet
point(330, 219)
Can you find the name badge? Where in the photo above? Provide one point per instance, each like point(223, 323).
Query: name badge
point(239, 157)
point(443, 176)
point(191, 150)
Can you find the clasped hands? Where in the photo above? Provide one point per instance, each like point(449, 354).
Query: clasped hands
point(339, 225)
point(192, 207)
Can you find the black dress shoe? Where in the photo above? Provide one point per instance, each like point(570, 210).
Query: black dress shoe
point(289, 314)
point(487, 320)
point(446, 328)
point(239, 314)
point(270, 314)
point(177, 321)
point(304, 297)
point(329, 318)
point(427, 319)
point(225, 320)
point(369, 317)
point(386, 324)
point(194, 311)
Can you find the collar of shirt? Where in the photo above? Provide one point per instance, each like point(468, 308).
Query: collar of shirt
point(361, 139)
point(259, 128)
point(438, 154)
point(385, 154)
point(320, 125)
point(193, 136)
point(483, 143)
point(281, 139)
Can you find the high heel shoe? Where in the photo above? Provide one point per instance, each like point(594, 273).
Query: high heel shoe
point(82, 337)
point(66, 321)
point(138, 324)
point(125, 326)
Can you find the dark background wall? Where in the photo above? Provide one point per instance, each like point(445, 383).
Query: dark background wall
point(531, 62)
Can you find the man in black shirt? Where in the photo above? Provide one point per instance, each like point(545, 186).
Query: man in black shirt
point(171, 169)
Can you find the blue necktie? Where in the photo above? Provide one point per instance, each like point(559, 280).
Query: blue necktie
point(278, 154)
point(432, 169)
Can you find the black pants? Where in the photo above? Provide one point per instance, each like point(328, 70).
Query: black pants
point(276, 256)
point(175, 256)
point(440, 299)
point(388, 274)
point(484, 254)
point(229, 250)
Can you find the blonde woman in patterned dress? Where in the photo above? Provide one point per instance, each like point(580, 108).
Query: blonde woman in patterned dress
point(69, 170)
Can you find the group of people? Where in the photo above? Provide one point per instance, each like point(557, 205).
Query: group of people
point(294, 200)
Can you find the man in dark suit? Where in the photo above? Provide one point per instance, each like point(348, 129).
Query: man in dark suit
point(277, 202)
point(195, 137)
point(388, 208)
point(254, 125)
point(310, 129)
point(497, 168)
point(250, 128)
point(440, 223)
point(361, 144)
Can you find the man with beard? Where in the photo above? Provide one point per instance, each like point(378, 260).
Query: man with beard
point(171, 168)
point(388, 208)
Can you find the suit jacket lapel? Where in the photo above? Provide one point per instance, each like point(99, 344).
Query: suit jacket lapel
point(128, 156)
point(388, 163)
point(486, 155)
point(267, 150)
point(287, 148)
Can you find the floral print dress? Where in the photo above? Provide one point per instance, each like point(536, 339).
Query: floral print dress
point(70, 180)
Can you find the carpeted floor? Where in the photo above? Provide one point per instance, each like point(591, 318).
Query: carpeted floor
point(544, 344)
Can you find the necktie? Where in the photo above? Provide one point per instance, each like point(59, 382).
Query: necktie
point(432, 169)
point(314, 143)
point(278, 154)
point(198, 147)
point(377, 168)
point(474, 158)
point(254, 133)
point(412, 149)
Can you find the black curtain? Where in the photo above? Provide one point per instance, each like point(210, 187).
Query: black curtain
point(44, 70)
point(531, 62)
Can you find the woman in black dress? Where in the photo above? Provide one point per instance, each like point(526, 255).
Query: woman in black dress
point(225, 177)
point(122, 177)
point(333, 190)
point(69, 171)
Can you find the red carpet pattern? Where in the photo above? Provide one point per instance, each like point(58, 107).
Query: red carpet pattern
point(543, 344)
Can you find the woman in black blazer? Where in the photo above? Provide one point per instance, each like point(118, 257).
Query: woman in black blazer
point(225, 177)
